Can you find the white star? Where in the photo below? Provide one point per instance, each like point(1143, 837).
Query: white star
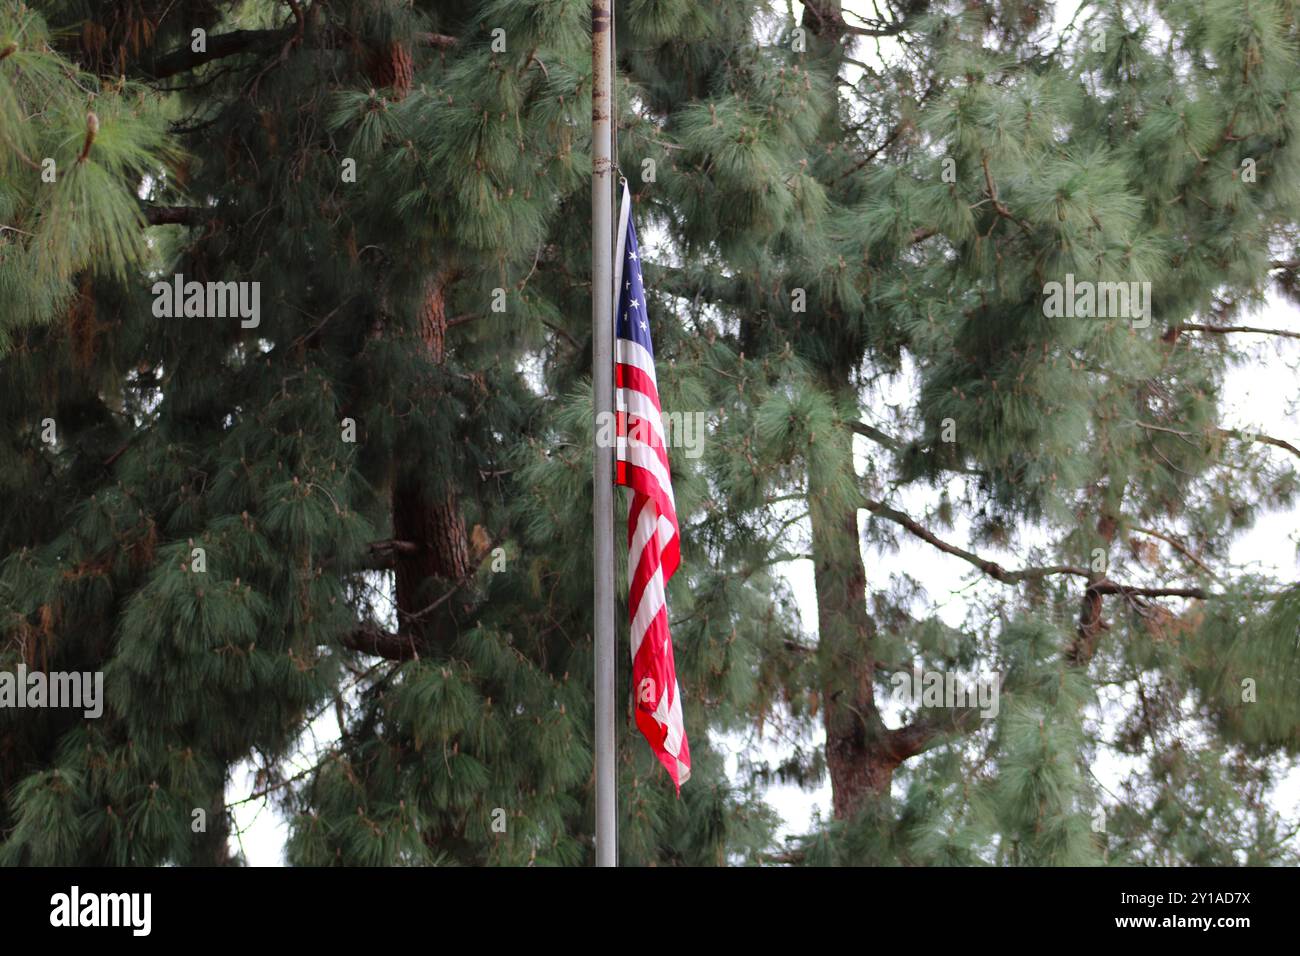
point(644, 326)
point(633, 304)
point(632, 255)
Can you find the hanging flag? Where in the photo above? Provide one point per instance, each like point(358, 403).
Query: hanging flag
point(652, 534)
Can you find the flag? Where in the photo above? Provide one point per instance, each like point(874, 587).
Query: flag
point(653, 536)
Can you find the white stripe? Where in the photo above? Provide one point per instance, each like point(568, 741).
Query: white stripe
point(636, 403)
point(668, 715)
point(652, 598)
point(666, 532)
point(646, 522)
point(664, 527)
point(652, 602)
point(631, 353)
point(675, 726)
point(639, 453)
point(643, 456)
point(632, 447)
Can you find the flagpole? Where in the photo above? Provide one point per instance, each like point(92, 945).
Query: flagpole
point(602, 307)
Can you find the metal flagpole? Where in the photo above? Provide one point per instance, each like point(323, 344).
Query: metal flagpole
point(602, 307)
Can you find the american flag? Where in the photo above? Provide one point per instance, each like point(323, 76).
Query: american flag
point(653, 536)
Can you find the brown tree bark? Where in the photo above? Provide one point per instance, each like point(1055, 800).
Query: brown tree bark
point(861, 752)
point(436, 523)
point(430, 519)
point(858, 764)
point(1091, 626)
point(860, 767)
point(263, 43)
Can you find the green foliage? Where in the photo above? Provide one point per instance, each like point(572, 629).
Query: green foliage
point(393, 632)
point(76, 150)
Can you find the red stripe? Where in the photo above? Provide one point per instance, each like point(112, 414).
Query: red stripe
point(636, 428)
point(655, 735)
point(643, 482)
point(654, 658)
point(631, 377)
point(671, 556)
point(646, 563)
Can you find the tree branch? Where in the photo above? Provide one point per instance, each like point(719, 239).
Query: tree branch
point(718, 289)
point(383, 554)
point(835, 18)
point(875, 434)
point(1113, 587)
point(218, 47)
point(1222, 329)
point(174, 215)
point(235, 42)
point(372, 639)
point(930, 730)
point(1177, 546)
point(1262, 439)
point(999, 573)
point(991, 568)
point(1227, 433)
point(998, 205)
point(895, 444)
point(92, 130)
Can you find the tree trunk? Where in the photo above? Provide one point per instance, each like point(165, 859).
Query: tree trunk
point(430, 519)
point(824, 20)
point(859, 754)
point(859, 750)
point(212, 844)
point(436, 524)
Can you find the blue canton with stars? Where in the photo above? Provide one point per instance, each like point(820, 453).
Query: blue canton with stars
point(633, 323)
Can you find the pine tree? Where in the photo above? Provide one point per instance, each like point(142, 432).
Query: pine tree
point(371, 499)
point(966, 168)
